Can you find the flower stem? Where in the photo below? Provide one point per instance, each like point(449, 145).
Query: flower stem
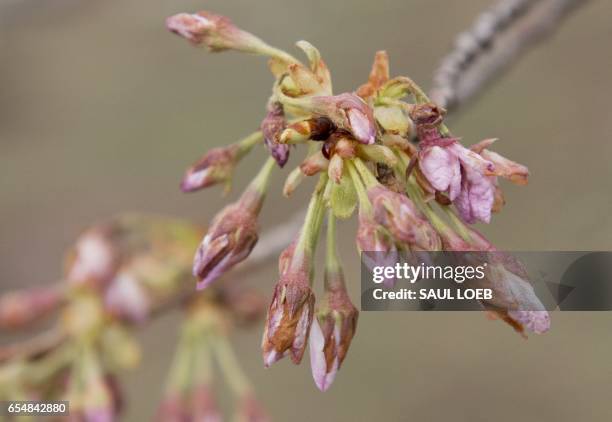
point(309, 235)
point(245, 145)
point(367, 176)
point(333, 268)
point(234, 375)
point(362, 195)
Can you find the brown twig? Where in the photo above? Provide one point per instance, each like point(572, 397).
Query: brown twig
point(498, 37)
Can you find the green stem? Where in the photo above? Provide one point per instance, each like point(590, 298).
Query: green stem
point(181, 369)
point(368, 178)
point(457, 223)
point(333, 269)
point(246, 145)
point(362, 195)
point(309, 235)
point(255, 193)
point(234, 375)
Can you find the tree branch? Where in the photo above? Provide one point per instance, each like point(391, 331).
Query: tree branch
point(498, 37)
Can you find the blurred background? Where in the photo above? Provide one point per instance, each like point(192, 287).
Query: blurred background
point(101, 110)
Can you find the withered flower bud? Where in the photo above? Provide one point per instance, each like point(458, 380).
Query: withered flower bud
point(397, 213)
point(289, 318)
point(217, 32)
point(216, 166)
point(231, 237)
point(332, 331)
point(272, 126)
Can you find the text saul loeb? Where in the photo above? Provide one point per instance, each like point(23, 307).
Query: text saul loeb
point(413, 273)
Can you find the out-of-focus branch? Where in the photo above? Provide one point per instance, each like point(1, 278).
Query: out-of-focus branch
point(498, 37)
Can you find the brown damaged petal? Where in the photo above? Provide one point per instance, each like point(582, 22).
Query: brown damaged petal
point(378, 75)
point(331, 334)
point(289, 318)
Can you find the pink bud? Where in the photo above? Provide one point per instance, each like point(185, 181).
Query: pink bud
point(127, 298)
point(332, 332)
point(397, 213)
point(229, 241)
point(216, 166)
point(217, 32)
point(272, 126)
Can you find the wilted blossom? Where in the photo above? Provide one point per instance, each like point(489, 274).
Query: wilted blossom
point(216, 166)
point(514, 299)
point(272, 126)
point(289, 316)
point(468, 177)
point(348, 112)
point(332, 331)
point(397, 213)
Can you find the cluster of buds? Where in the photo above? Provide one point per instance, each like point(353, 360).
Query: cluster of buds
point(117, 276)
point(383, 150)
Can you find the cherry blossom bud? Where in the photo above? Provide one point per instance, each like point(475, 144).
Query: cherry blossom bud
point(216, 166)
point(335, 169)
point(271, 127)
point(216, 32)
point(93, 259)
point(314, 164)
point(332, 331)
point(127, 298)
point(293, 181)
point(231, 237)
point(172, 408)
point(397, 213)
point(289, 318)
point(24, 307)
point(203, 404)
point(251, 410)
point(372, 237)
